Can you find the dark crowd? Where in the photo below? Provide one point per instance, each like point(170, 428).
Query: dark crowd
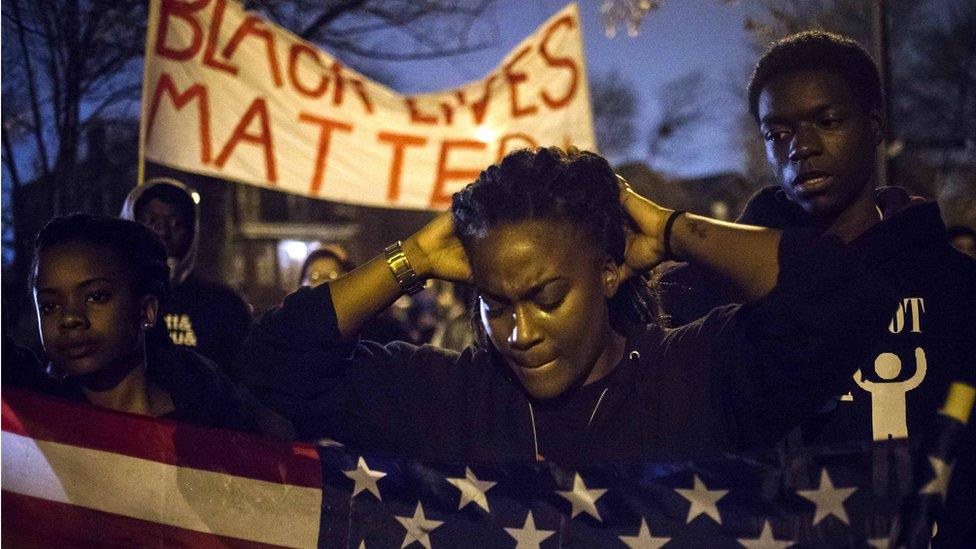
point(565, 317)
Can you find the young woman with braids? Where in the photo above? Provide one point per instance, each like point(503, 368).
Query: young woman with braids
point(568, 367)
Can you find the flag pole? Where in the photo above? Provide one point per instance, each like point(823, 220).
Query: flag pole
point(152, 23)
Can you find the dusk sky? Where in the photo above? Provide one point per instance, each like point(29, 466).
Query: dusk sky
point(680, 37)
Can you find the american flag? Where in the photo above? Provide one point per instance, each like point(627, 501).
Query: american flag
point(75, 476)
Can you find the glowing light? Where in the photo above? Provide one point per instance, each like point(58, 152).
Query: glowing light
point(295, 249)
point(485, 134)
point(195, 196)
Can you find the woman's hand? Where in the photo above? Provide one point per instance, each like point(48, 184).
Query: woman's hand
point(436, 252)
point(645, 244)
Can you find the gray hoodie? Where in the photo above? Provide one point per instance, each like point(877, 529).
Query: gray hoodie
point(179, 268)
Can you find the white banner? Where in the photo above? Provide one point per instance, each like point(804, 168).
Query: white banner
point(228, 94)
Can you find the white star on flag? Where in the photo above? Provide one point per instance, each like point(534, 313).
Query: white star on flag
point(703, 501)
point(365, 479)
point(643, 539)
point(583, 500)
point(765, 540)
point(418, 527)
point(472, 490)
point(829, 500)
point(527, 537)
point(940, 484)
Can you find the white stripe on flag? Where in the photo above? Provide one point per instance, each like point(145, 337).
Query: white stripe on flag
point(193, 499)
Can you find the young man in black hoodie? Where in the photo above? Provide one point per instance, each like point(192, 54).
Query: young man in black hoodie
point(817, 100)
point(202, 316)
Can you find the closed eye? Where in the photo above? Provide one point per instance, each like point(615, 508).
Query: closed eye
point(492, 306)
point(549, 300)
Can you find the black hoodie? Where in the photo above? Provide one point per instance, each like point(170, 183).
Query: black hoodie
point(934, 322)
point(739, 378)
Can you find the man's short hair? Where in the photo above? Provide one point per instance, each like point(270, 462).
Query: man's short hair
point(819, 49)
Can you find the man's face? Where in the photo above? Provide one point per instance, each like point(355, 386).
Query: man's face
point(88, 315)
point(820, 142)
point(169, 224)
point(543, 301)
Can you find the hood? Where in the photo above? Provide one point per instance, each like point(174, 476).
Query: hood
point(770, 207)
point(179, 268)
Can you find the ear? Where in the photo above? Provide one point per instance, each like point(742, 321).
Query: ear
point(611, 277)
point(876, 119)
point(148, 311)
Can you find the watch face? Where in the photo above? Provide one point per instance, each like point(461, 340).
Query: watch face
point(405, 276)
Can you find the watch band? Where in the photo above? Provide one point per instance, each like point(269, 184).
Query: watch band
point(668, 226)
point(402, 270)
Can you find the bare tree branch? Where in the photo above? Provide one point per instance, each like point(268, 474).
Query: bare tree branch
point(9, 160)
point(31, 91)
point(328, 16)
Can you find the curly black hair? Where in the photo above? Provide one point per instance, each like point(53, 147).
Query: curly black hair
point(819, 49)
point(575, 186)
point(138, 247)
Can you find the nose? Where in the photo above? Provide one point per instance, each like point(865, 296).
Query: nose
point(523, 334)
point(805, 143)
point(161, 229)
point(73, 318)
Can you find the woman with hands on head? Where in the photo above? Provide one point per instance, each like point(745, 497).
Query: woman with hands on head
point(567, 365)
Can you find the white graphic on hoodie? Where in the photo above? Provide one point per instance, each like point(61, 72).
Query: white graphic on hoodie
point(888, 407)
point(181, 330)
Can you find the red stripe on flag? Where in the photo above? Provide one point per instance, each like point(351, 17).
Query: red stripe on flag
point(33, 522)
point(44, 418)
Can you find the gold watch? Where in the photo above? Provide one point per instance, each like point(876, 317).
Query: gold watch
point(403, 271)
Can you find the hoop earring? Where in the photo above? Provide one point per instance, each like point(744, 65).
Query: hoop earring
point(54, 373)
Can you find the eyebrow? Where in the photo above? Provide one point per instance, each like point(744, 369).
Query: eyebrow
point(817, 110)
point(531, 291)
point(91, 281)
point(83, 284)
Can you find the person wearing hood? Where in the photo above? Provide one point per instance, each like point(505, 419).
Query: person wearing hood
point(203, 316)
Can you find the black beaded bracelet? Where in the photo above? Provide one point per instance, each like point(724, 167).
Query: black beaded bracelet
point(668, 225)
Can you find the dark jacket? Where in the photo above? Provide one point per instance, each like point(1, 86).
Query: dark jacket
point(208, 318)
point(936, 290)
point(739, 378)
point(934, 323)
point(201, 394)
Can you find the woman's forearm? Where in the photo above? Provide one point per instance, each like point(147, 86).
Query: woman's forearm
point(367, 291)
point(362, 294)
point(746, 255)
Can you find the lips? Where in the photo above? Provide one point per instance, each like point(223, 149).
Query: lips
point(531, 364)
point(812, 181)
point(79, 350)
